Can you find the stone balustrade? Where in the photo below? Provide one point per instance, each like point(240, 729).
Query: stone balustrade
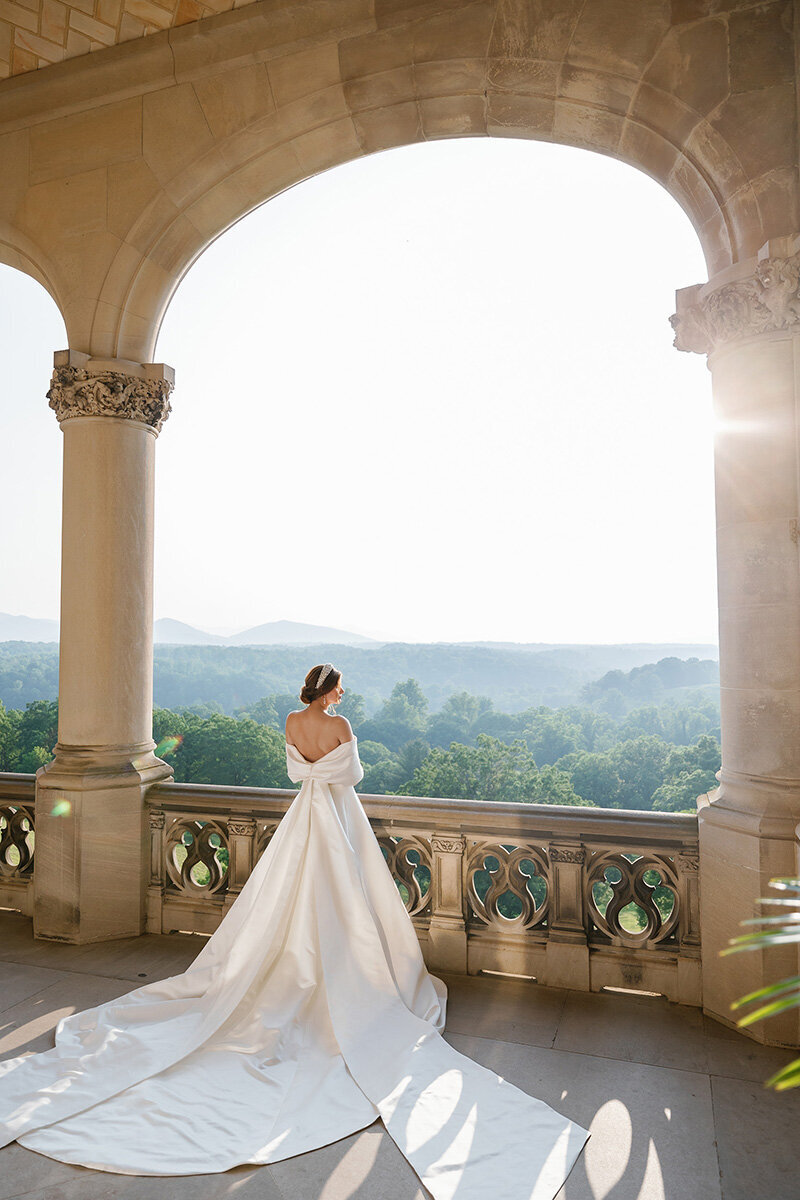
point(584, 898)
point(17, 809)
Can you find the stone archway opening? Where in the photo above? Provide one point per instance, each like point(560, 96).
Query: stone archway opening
point(426, 349)
point(30, 550)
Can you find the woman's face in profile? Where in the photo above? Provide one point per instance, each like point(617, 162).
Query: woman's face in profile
point(336, 693)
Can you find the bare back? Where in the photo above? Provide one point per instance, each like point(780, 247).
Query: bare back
point(316, 733)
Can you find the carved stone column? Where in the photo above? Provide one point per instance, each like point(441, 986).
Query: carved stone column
point(747, 321)
point(567, 947)
point(447, 937)
point(92, 833)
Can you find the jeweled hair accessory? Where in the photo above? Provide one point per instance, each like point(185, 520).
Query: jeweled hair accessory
point(323, 675)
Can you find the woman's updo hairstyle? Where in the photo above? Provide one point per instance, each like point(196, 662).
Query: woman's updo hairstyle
point(311, 689)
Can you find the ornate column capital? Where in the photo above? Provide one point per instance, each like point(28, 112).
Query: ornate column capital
point(568, 854)
point(86, 387)
point(447, 843)
point(241, 827)
point(760, 296)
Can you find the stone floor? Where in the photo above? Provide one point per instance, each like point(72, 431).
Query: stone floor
point(675, 1101)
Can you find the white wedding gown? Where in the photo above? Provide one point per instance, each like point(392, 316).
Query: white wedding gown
point(307, 1015)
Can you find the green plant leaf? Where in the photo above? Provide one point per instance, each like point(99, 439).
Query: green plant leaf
point(774, 989)
point(758, 941)
point(770, 1010)
point(778, 930)
point(787, 1077)
point(787, 918)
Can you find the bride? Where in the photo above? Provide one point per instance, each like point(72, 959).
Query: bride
point(305, 1017)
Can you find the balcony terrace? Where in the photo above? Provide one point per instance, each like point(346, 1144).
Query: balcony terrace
point(674, 1098)
point(120, 166)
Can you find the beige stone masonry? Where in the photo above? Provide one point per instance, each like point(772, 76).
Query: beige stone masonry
point(53, 30)
point(122, 165)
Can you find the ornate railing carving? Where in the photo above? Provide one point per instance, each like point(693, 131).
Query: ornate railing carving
point(507, 885)
point(409, 860)
point(17, 838)
point(265, 834)
point(633, 899)
point(196, 856)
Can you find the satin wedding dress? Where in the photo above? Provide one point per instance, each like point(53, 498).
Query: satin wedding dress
point(306, 1016)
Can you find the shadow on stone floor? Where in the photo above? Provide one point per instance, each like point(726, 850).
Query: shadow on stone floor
point(675, 1102)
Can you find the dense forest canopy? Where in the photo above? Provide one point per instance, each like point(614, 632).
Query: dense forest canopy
point(611, 748)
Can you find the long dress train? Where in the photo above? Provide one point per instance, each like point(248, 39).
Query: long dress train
point(308, 1014)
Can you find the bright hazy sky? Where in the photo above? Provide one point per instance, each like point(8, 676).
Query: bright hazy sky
point(430, 395)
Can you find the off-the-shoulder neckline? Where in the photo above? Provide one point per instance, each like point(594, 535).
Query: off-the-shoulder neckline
point(312, 762)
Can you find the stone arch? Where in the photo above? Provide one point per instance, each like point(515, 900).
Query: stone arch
point(672, 95)
point(235, 182)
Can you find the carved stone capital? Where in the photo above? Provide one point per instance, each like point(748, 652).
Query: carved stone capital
point(241, 827)
point(447, 845)
point(764, 301)
point(157, 818)
point(567, 854)
point(688, 863)
point(77, 392)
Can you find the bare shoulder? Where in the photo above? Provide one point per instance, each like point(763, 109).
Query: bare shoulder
point(290, 720)
point(343, 729)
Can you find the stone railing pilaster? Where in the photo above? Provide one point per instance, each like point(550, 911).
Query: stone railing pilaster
point(747, 320)
point(92, 873)
point(567, 947)
point(690, 974)
point(447, 934)
point(158, 876)
point(689, 878)
point(241, 850)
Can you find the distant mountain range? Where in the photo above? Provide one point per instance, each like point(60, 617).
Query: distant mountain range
point(274, 633)
point(27, 629)
point(167, 631)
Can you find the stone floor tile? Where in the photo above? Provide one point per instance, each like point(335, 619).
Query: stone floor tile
point(28, 1026)
point(633, 1029)
point(734, 1054)
point(152, 956)
point(17, 943)
point(242, 1183)
point(18, 981)
point(364, 1166)
point(652, 1127)
point(21, 1170)
point(509, 1009)
point(757, 1137)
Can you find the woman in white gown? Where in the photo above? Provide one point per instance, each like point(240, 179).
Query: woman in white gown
point(306, 1016)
